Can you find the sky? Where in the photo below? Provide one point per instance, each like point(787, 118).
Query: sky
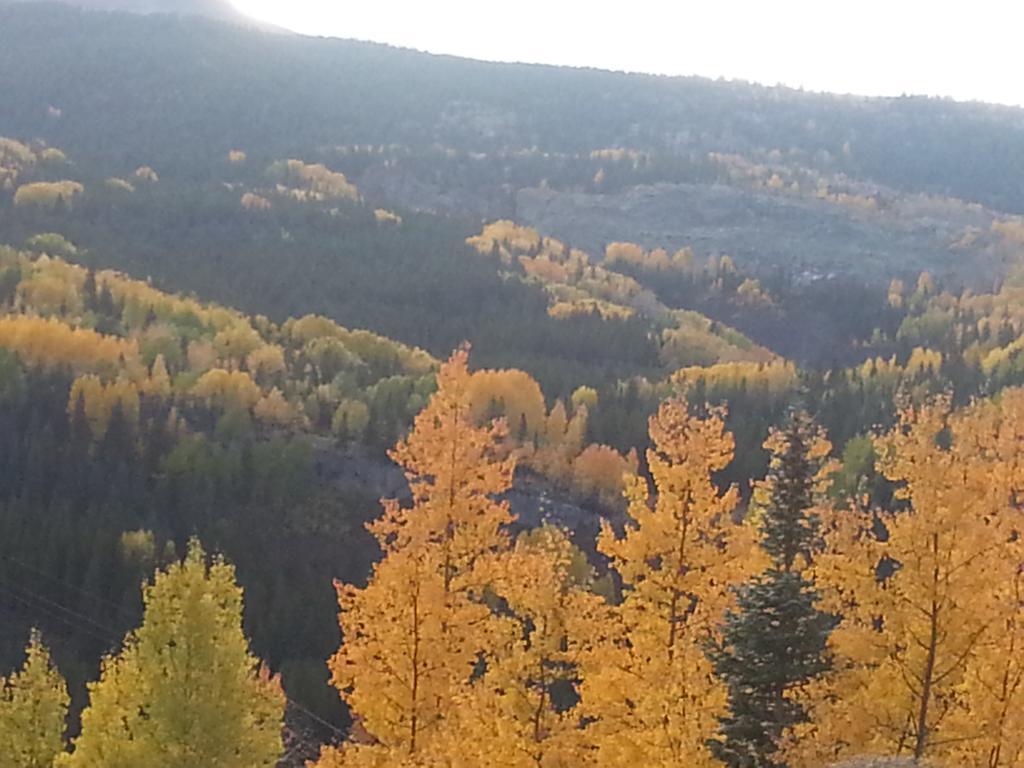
point(964, 50)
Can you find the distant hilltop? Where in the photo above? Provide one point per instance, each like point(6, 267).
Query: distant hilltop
point(222, 10)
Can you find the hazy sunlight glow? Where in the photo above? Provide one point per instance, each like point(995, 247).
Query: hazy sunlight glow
point(939, 48)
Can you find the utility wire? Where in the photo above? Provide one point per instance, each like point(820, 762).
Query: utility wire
point(105, 633)
point(59, 607)
point(127, 612)
point(34, 605)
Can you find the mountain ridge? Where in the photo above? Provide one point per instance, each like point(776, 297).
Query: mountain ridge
point(304, 93)
point(220, 10)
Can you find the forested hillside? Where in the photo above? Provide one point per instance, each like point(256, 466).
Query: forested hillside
point(215, 9)
point(169, 90)
point(715, 354)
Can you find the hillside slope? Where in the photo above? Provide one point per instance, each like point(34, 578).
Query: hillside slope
point(213, 9)
point(187, 90)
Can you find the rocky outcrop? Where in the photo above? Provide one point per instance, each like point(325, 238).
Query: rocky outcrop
point(762, 230)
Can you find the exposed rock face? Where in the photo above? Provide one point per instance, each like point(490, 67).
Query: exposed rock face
point(396, 187)
point(763, 230)
point(532, 501)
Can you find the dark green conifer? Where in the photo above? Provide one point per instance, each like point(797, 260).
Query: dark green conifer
point(776, 638)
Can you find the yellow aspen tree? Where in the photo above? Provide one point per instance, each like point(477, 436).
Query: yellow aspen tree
point(33, 706)
point(923, 593)
point(456, 472)
point(647, 683)
point(184, 690)
point(397, 666)
point(994, 684)
point(521, 712)
point(993, 718)
point(599, 471)
point(158, 384)
point(415, 633)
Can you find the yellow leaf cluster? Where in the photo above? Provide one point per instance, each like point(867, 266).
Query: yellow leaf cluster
point(119, 185)
point(50, 343)
point(227, 390)
point(384, 216)
point(600, 472)
point(415, 632)
point(777, 378)
point(318, 181)
point(14, 158)
point(253, 202)
point(99, 400)
point(51, 287)
point(184, 688)
point(647, 683)
point(929, 645)
point(33, 706)
point(576, 285)
point(47, 194)
point(272, 409)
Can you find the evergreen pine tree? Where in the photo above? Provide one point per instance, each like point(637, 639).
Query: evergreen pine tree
point(776, 638)
point(89, 294)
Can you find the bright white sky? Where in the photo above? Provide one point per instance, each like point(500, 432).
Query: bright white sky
point(967, 50)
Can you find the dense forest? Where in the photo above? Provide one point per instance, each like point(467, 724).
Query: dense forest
point(727, 359)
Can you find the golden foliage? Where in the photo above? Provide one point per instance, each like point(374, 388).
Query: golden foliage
point(119, 185)
point(627, 252)
point(511, 394)
point(272, 409)
point(14, 158)
point(584, 397)
point(49, 343)
point(48, 194)
point(369, 347)
point(777, 378)
point(14, 153)
point(312, 181)
point(99, 400)
point(646, 681)
point(413, 635)
point(253, 202)
point(600, 472)
point(227, 389)
point(53, 156)
point(52, 287)
point(563, 309)
point(619, 155)
point(1011, 229)
point(576, 285)
point(33, 706)
point(383, 216)
point(505, 234)
point(930, 637)
point(509, 717)
point(265, 361)
point(184, 689)
point(350, 419)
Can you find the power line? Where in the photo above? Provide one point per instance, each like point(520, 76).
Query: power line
point(35, 606)
point(128, 613)
point(333, 728)
point(60, 607)
point(103, 632)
